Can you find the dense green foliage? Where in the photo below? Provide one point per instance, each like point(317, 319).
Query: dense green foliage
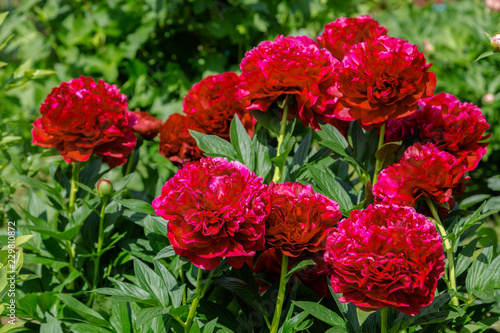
point(154, 51)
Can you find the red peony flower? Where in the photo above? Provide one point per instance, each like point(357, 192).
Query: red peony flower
point(212, 103)
point(176, 143)
point(382, 79)
point(385, 255)
point(455, 127)
point(299, 218)
point(340, 35)
point(214, 209)
point(147, 125)
point(315, 277)
point(82, 117)
point(290, 66)
point(423, 171)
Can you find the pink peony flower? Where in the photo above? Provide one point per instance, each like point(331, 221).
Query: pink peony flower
point(290, 66)
point(82, 117)
point(214, 209)
point(385, 255)
point(339, 36)
point(493, 5)
point(212, 103)
point(299, 218)
point(455, 127)
point(381, 79)
point(423, 171)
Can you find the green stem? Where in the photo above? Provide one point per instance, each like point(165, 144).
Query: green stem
point(448, 248)
point(378, 163)
point(100, 241)
point(75, 173)
point(281, 294)
point(383, 325)
point(278, 171)
point(194, 305)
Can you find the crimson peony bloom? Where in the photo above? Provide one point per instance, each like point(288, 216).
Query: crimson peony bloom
point(290, 66)
point(214, 209)
point(340, 35)
point(212, 103)
point(148, 126)
point(382, 79)
point(424, 170)
point(455, 127)
point(176, 143)
point(299, 218)
point(385, 255)
point(82, 117)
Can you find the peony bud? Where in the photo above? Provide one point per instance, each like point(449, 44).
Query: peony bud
point(493, 5)
point(495, 42)
point(488, 98)
point(104, 187)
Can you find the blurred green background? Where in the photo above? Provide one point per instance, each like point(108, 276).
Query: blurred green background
point(155, 50)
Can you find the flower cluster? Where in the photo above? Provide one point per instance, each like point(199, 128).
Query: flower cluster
point(83, 117)
point(210, 106)
point(386, 255)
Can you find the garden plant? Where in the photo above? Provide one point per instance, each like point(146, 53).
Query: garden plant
point(332, 179)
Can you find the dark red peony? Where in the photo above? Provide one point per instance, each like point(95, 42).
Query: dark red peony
point(293, 67)
point(386, 255)
point(339, 36)
point(212, 103)
point(298, 219)
point(82, 117)
point(455, 127)
point(214, 209)
point(423, 171)
point(148, 126)
point(176, 143)
point(382, 79)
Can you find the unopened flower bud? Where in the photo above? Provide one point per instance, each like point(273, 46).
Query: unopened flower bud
point(104, 187)
point(488, 98)
point(495, 42)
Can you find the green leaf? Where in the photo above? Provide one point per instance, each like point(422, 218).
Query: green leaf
point(210, 326)
point(332, 134)
point(278, 161)
point(330, 187)
point(166, 252)
point(300, 156)
point(243, 290)
point(438, 317)
point(299, 266)
point(241, 143)
point(214, 146)
point(474, 281)
point(3, 15)
point(149, 281)
point(88, 328)
point(263, 164)
point(464, 259)
point(358, 139)
point(22, 239)
point(148, 314)
point(83, 310)
point(484, 55)
point(123, 182)
point(270, 119)
point(137, 206)
point(174, 291)
point(387, 153)
point(322, 313)
point(120, 317)
point(52, 325)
